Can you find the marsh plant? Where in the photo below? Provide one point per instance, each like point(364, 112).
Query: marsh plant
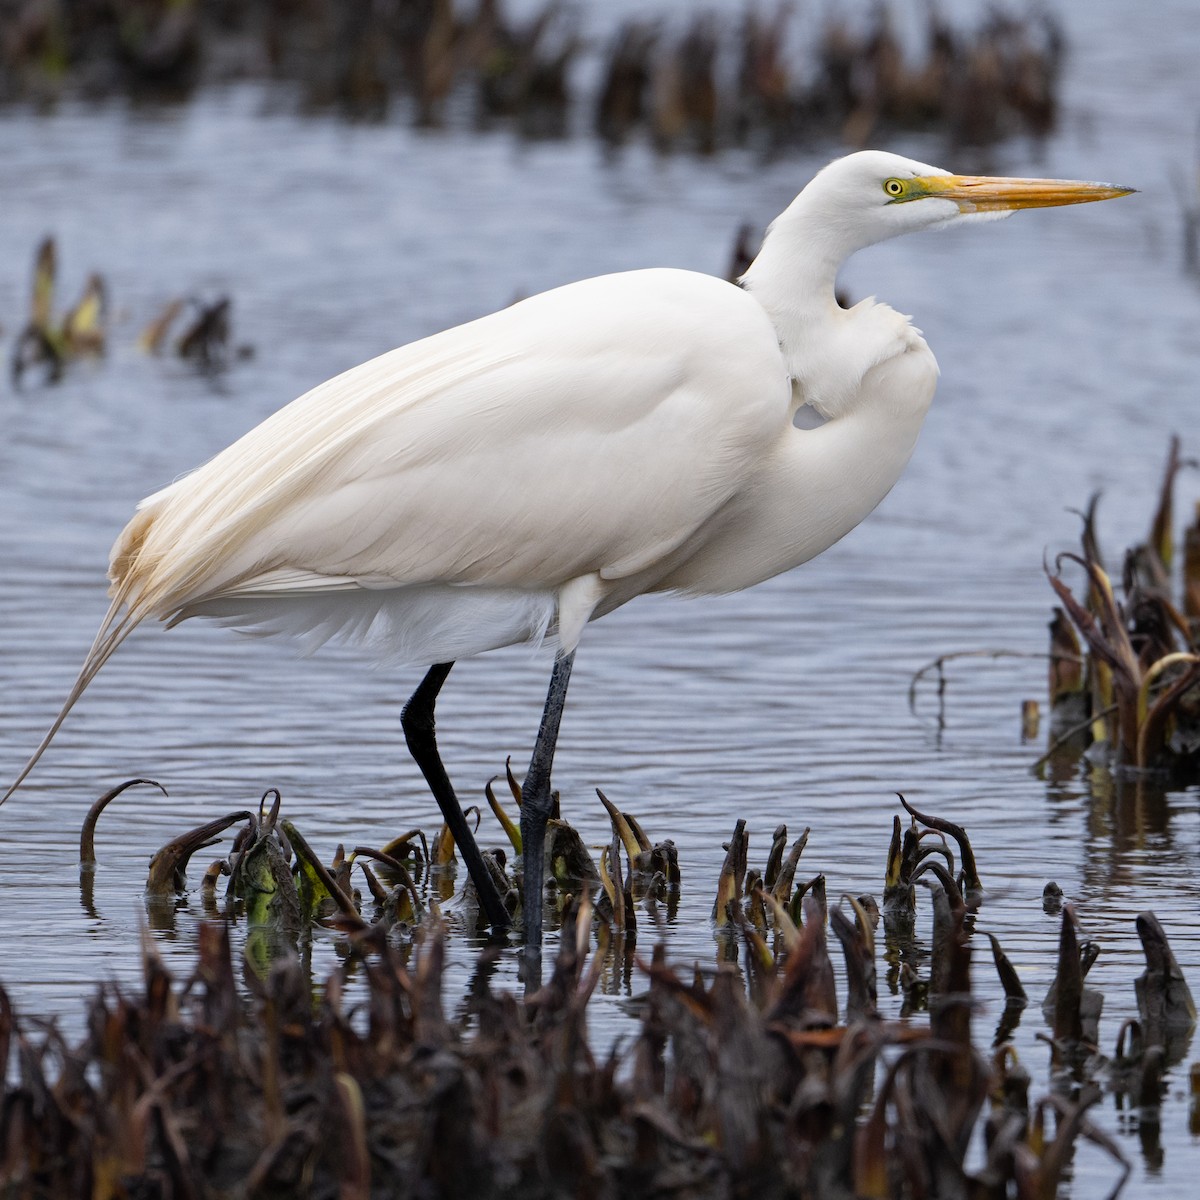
point(755, 1076)
point(1125, 661)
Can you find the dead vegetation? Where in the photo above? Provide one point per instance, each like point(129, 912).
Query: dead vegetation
point(1125, 665)
point(761, 1077)
point(763, 79)
point(1124, 657)
point(194, 329)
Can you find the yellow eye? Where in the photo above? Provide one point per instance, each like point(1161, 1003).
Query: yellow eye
point(894, 187)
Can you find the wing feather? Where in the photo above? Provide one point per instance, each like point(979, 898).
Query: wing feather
point(589, 429)
point(444, 494)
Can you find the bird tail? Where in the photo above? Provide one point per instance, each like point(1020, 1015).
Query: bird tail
point(114, 629)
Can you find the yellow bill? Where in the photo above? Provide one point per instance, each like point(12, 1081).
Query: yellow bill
point(986, 193)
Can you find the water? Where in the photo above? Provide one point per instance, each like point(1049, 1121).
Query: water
point(1068, 348)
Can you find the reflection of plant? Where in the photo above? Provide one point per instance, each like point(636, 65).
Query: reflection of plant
point(1137, 687)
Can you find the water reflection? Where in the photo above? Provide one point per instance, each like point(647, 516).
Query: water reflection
point(1126, 817)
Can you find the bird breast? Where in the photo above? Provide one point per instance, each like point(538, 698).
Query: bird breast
point(817, 484)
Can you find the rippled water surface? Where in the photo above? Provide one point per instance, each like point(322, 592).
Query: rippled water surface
point(1069, 350)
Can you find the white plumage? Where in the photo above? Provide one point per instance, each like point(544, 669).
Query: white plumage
point(475, 474)
point(525, 473)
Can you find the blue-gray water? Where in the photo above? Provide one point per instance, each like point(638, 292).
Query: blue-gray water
point(1069, 350)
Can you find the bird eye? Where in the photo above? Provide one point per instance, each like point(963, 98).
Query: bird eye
point(894, 187)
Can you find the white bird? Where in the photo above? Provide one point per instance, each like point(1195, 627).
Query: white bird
point(514, 478)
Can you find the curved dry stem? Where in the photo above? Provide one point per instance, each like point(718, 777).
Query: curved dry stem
point(304, 850)
point(395, 865)
point(87, 834)
point(1153, 725)
point(959, 834)
point(938, 663)
point(621, 828)
point(510, 827)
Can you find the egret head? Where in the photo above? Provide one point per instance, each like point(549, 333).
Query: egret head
point(869, 196)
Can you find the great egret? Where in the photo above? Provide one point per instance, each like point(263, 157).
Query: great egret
point(514, 478)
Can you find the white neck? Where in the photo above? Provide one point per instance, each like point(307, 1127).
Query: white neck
point(828, 349)
point(794, 274)
point(866, 370)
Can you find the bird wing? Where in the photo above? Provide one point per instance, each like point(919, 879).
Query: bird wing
point(593, 428)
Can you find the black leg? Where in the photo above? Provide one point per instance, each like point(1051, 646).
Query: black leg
point(417, 719)
point(535, 812)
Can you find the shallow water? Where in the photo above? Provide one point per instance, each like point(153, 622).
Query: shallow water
point(1068, 346)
